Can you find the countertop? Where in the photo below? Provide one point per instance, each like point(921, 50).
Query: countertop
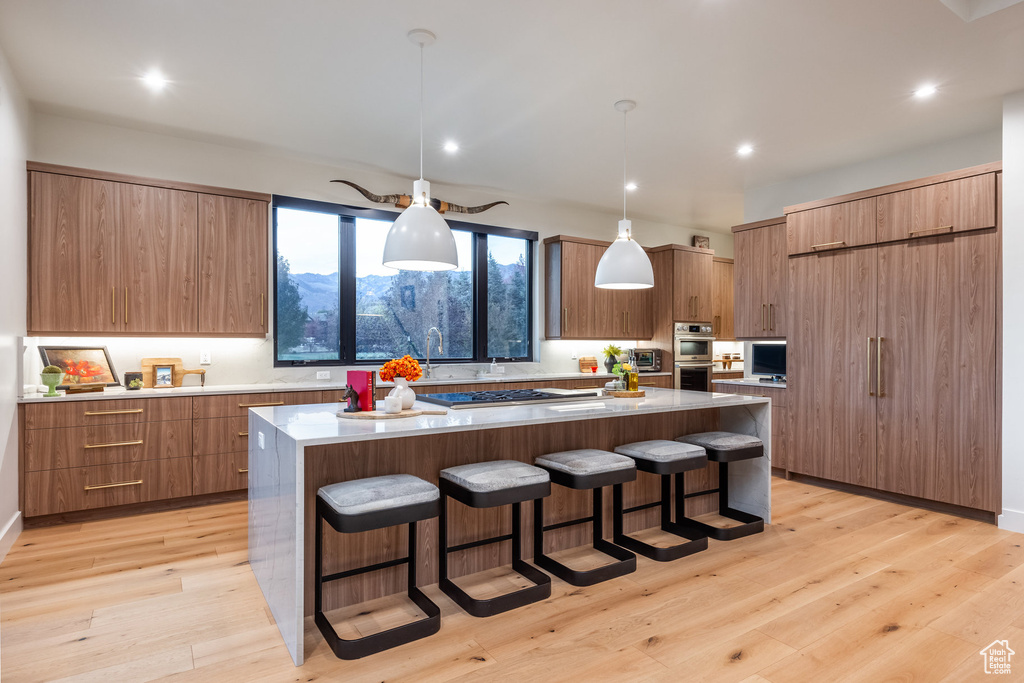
point(747, 381)
point(315, 425)
point(112, 393)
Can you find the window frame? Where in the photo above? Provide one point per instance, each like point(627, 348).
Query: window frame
point(347, 216)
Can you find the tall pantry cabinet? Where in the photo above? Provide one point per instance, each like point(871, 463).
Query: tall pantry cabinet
point(892, 354)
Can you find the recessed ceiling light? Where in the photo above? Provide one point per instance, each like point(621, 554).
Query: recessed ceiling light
point(745, 150)
point(451, 147)
point(925, 91)
point(154, 80)
point(630, 186)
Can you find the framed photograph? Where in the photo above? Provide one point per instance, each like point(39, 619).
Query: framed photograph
point(163, 376)
point(702, 241)
point(81, 364)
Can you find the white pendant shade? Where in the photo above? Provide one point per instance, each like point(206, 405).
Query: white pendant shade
point(625, 264)
point(419, 238)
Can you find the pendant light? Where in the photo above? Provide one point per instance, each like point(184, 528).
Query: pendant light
point(419, 238)
point(625, 264)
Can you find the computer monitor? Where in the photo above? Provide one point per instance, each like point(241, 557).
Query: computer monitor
point(768, 359)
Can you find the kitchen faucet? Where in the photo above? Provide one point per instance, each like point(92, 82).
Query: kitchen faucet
point(440, 347)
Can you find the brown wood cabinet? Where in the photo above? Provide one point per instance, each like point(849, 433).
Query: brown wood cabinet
point(780, 446)
point(837, 226)
point(952, 206)
point(120, 255)
point(723, 299)
point(576, 309)
point(682, 285)
point(761, 274)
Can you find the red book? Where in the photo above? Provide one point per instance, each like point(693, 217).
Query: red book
point(364, 383)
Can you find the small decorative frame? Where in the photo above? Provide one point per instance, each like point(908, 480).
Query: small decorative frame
point(163, 376)
point(81, 364)
point(702, 241)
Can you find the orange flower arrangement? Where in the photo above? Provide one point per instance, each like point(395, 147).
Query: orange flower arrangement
point(406, 366)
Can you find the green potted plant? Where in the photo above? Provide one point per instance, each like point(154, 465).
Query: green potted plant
point(610, 352)
point(51, 376)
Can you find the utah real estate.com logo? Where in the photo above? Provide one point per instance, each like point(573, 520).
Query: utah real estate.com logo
point(997, 657)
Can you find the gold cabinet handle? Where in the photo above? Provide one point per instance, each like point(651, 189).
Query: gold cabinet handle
point(243, 470)
point(841, 243)
point(243, 433)
point(565, 319)
point(133, 411)
point(263, 303)
point(771, 317)
point(137, 482)
point(125, 305)
point(260, 405)
point(870, 340)
point(763, 308)
point(114, 445)
point(113, 305)
point(941, 227)
point(881, 387)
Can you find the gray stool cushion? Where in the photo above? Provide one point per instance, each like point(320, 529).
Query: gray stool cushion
point(665, 457)
point(726, 446)
point(585, 461)
point(497, 475)
point(376, 494)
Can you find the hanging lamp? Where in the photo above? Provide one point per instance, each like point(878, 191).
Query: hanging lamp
point(419, 238)
point(625, 264)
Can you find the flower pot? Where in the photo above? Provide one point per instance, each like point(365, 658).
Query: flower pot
point(403, 391)
point(129, 377)
point(609, 363)
point(51, 380)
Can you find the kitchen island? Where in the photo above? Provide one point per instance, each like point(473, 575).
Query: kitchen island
point(294, 450)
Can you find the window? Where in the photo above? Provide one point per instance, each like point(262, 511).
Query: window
point(337, 304)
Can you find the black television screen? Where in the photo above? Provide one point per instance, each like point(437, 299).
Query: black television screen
point(768, 359)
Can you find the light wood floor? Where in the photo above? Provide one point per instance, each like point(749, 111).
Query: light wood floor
point(840, 587)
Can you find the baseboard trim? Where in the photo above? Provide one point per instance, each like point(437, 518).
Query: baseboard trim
point(10, 534)
point(1012, 520)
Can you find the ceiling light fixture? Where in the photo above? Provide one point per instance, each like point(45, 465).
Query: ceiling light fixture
point(154, 80)
point(625, 264)
point(451, 147)
point(419, 238)
point(925, 91)
point(745, 150)
point(630, 186)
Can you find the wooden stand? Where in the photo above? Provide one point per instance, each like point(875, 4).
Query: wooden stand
point(381, 415)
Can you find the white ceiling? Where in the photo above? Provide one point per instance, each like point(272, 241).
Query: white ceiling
point(527, 86)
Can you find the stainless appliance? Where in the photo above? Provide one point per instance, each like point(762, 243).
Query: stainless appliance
point(647, 360)
point(694, 356)
point(507, 397)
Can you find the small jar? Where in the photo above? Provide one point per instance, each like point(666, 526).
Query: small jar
point(632, 381)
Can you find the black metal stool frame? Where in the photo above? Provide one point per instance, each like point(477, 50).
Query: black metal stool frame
point(748, 524)
point(696, 539)
point(385, 640)
point(625, 560)
point(487, 607)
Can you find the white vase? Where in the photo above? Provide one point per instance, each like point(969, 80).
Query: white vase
point(403, 391)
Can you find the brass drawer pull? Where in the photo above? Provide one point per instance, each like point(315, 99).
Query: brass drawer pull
point(114, 445)
point(137, 482)
point(829, 244)
point(243, 433)
point(133, 411)
point(243, 471)
point(941, 227)
point(260, 405)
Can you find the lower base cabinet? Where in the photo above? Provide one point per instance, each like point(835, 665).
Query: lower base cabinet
point(780, 446)
point(220, 473)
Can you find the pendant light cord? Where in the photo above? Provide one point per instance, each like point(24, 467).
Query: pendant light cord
point(421, 111)
point(624, 165)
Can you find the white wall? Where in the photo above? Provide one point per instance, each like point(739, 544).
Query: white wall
point(767, 202)
point(1013, 310)
point(14, 149)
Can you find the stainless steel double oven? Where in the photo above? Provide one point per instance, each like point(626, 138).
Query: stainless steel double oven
point(694, 356)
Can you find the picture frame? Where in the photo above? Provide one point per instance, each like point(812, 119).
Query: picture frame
point(81, 364)
point(163, 376)
point(702, 241)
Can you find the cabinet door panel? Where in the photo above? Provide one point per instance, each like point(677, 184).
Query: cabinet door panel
point(233, 266)
point(832, 315)
point(73, 271)
point(692, 277)
point(723, 301)
point(831, 227)
point(776, 272)
point(750, 314)
point(220, 473)
point(158, 252)
point(581, 300)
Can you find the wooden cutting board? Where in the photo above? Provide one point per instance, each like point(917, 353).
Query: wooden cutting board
point(177, 374)
point(381, 415)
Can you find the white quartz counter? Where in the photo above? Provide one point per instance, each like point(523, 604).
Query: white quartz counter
point(748, 382)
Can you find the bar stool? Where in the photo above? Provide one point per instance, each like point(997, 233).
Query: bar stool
point(485, 485)
point(663, 458)
point(724, 448)
point(584, 469)
point(363, 505)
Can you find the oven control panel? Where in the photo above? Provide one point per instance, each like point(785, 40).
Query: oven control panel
point(693, 329)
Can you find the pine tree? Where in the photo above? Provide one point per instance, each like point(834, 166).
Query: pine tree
point(291, 314)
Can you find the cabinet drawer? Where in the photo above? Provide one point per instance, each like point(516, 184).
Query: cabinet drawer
point(596, 383)
point(234, 405)
point(51, 449)
point(831, 227)
point(118, 411)
point(86, 488)
point(219, 473)
point(939, 209)
point(665, 382)
point(220, 435)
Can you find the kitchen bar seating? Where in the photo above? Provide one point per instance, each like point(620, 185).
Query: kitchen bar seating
point(723, 448)
point(663, 458)
point(364, 505)
point(485, 485)
point(584, 469)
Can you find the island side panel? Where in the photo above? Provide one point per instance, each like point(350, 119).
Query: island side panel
point(426, 455)
point(750, 486)
point(276, 533)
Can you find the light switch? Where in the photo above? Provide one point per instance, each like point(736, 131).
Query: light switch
point(204, 358)
point(323, 374)
point(262, 442)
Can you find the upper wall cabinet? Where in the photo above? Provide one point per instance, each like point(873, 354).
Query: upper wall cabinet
point(682, 284)
point(849, 224)
point(119, 255)
point(952, 206)
point(761, 276)
point(722, 299)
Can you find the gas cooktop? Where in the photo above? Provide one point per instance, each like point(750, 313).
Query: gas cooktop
point(507, 397)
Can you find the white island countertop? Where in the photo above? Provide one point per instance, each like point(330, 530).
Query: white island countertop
point(312, 425)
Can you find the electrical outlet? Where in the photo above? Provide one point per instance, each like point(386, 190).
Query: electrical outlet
point(204, 358)
point(262, 441)
point(323, 374)
point(574, 356)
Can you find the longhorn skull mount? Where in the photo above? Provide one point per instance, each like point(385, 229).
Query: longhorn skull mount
point(403, 201)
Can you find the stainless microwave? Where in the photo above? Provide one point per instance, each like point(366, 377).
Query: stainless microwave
point(647, 360)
